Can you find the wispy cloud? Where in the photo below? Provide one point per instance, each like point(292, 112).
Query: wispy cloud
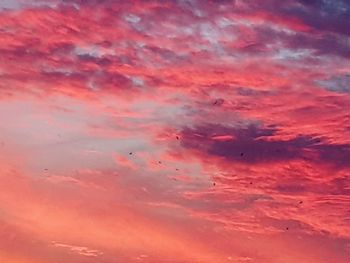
point(84, 251)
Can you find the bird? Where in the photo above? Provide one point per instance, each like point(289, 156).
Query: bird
point(218, 102)
point(287, 228)
point(214, 184)
point(177, 137)
point(130, 153)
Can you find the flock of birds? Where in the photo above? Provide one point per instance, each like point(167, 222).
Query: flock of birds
point(217, 102)
point(214, 183)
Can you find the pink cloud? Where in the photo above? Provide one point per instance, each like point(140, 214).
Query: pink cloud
point(174, 131)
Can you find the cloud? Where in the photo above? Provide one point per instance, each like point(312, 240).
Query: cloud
point(337, 83)
point(312, 14)
point(235, 112)
point(84, 251)
point(255, 144)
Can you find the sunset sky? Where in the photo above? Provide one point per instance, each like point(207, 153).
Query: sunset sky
point(174, 131)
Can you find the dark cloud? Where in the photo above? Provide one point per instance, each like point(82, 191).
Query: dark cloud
point(320, 15)
point(247, 145)
point(325, 15)
point(327, 44)
point(339, 83)
point(320, 45)
point(253, 144)
point(338, 154)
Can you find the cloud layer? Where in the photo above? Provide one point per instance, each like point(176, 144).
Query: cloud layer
point(174, 131)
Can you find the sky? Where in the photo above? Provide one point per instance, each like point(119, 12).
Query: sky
point(174, 131)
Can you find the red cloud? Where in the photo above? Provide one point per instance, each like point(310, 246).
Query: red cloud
point(174, 131)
